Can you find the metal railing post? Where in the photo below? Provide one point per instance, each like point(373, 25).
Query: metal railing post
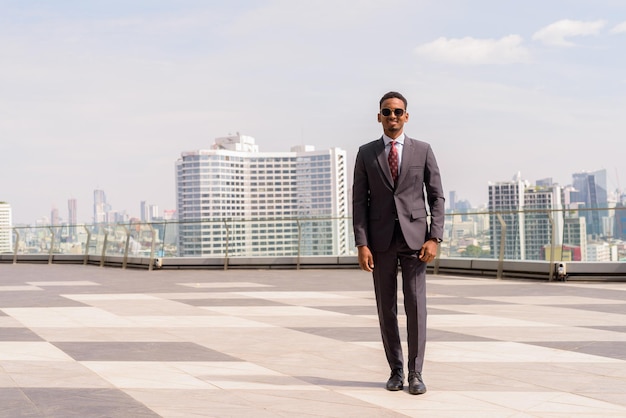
point(86, 259)
point(152, 244)
point(227, 243)
point(16, 246)
point(104, 248)
point(502, 242)
point(51, 245)
point(451, 234)
point(552, 239)
point(299, 244)
point(125, 259)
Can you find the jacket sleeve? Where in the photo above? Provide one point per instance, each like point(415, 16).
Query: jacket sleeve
point(435, 195)
point(360, 201)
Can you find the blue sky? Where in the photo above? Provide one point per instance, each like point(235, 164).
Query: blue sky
point(107, 94)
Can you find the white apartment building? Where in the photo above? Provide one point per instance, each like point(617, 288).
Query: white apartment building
point(506, 201)
point(234, 200)
point(531, 215)
point(543, 219)
point(599, 252)
point(6, 234)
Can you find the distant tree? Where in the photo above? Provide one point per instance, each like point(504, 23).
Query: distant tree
point(473, 251)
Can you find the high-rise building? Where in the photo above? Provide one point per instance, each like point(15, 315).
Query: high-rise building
point(154, 212)
point(506, 203)
point(6, 234)
point(72, 218)
point(620, 221)
point(543, 222)
point(100, 207)
point(144, 211)
point(590, 191)
point(55, 218)
point(544, 182)
point(452, 201)
point(575, 235)
point(533, 218)
point(72, 212)
point(260, 203)
point(149, 212)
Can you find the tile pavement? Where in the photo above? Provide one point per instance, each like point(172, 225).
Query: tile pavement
point(84, 341)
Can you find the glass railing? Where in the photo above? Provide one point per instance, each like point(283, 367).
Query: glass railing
point(581, 235)
point(531, 235)
point(126, 240)
point(319, 236)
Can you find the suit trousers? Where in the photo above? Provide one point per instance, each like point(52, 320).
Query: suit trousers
point(414, 290)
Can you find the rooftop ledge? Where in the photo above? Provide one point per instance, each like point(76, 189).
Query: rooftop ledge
point(489, 268)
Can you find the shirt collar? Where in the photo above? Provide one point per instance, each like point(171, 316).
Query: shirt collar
point(399, 140)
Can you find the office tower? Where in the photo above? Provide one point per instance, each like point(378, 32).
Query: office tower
point(543, 221)
point(575, 235)
point(154, 212)
point(116, 216)
point(506, 202)
point(533, 217)
point(55, 219)
point(567, 193)
point(452, 201)
point(591, 193)
point(620, 221)
point(72, 218)
point(100, 207)
point(6, 223)
point(259, 203)
point(149, 212)
point(144, 211)
point(72, 212)
point(544, 182)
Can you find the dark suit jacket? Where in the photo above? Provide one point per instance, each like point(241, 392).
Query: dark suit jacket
point(376, 203)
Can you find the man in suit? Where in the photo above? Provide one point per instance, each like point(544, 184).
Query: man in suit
point(394, 177)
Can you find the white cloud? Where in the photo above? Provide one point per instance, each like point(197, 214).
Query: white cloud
point(471, 51)
point(621, 28)
point(557, 32)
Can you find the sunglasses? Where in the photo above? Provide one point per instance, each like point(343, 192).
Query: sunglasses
point(386, 112)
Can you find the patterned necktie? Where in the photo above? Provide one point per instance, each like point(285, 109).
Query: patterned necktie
point(392, 158)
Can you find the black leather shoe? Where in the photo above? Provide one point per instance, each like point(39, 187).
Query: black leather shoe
point(416, 384)
point(396, 380)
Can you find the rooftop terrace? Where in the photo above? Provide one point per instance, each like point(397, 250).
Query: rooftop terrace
point(88, 341)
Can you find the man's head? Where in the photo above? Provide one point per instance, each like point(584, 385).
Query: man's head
point(393, 95)
point(393, 114)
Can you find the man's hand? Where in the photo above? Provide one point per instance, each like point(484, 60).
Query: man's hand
point(428, 251)
point(366, 260)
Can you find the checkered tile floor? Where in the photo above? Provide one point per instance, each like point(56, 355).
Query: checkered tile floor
point(84, 341)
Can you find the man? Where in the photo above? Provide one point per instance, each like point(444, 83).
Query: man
point(391, 175)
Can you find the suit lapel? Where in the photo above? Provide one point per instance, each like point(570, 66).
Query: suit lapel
point(407, 154)
point(382, 161)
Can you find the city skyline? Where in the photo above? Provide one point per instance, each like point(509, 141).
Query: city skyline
point(105, 95)
point(166, 213)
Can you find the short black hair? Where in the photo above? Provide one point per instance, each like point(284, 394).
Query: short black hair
point(393, 95)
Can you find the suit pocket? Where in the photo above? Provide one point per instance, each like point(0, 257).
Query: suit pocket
point(416, 173)
point(417, 214)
